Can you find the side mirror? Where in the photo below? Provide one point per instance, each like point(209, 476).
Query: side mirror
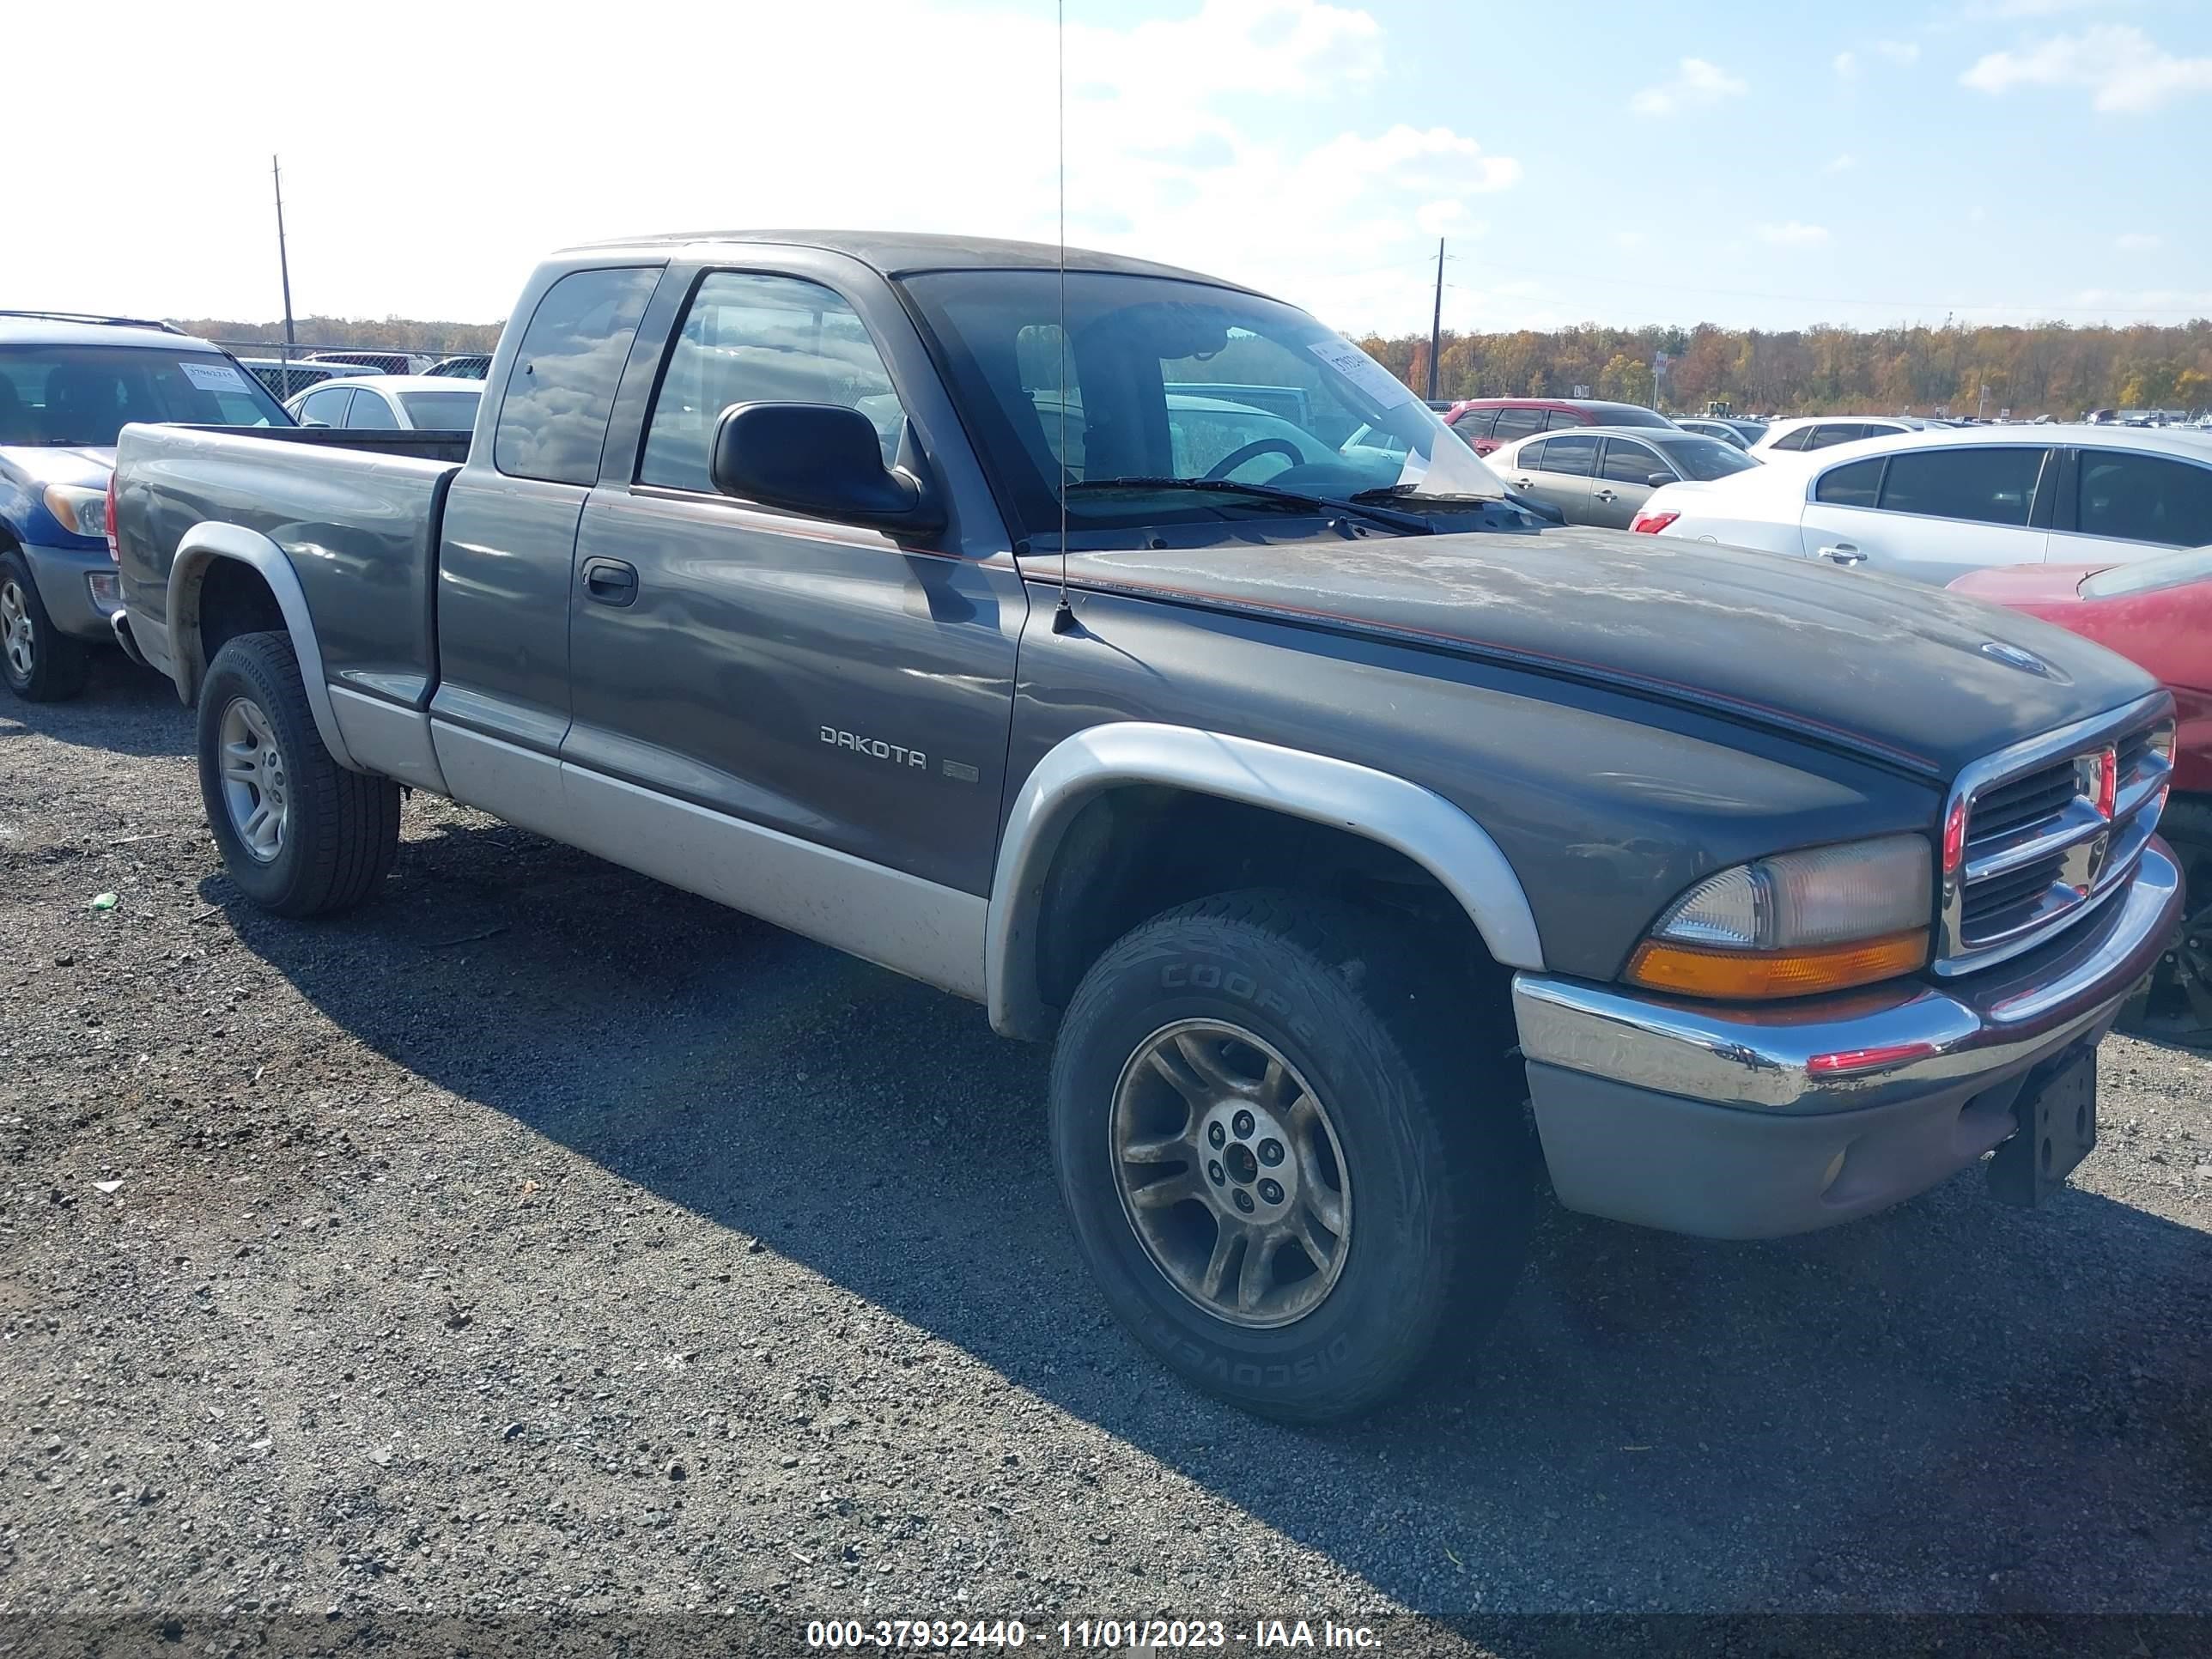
point(1657, 479)
point(822, 460)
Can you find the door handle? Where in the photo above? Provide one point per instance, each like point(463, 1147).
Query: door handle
point(1604, 495)
point(1842, 553)
point(610, 582)
point(1524, 483)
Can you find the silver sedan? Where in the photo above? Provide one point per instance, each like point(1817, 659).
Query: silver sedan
point(1600, 475)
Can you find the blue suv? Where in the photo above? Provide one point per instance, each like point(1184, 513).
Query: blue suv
point(68, 385)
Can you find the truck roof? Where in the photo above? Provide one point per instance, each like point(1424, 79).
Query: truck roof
point(898, 254)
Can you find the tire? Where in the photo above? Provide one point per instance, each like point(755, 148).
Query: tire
point(40, 663)
point(336, 832)
point(1433, 1161)
point(2175, 1005)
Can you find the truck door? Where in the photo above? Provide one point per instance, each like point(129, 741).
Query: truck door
point(824, 681)
point(508, 537)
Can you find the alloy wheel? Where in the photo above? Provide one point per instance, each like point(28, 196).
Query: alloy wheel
point(17, 639)
point(1230, 1173)
point(254, 784)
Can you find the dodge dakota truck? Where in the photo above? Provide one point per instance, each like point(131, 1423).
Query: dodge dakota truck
point(1372, 853)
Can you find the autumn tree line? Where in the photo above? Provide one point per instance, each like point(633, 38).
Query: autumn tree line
point(2050, 368)
point(363, 333)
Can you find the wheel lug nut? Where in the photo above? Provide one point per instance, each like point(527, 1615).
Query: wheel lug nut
point(1271, 1152)
point(1244, 1124)
point(1271, 1192)
point(1214, 1137)
point(1213, 1171)
point(1243, 1201)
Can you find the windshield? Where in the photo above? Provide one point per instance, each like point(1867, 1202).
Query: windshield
point(1166, 381)
point(81, 395)
point(1701, 457)
point(441, 411)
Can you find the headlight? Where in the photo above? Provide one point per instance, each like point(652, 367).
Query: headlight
point(82, 512)
point(1796, 924)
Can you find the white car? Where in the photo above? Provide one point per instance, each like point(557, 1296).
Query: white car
point(390, 403)
point(1601, 475)
point(1934, 505)
point(1823, 431)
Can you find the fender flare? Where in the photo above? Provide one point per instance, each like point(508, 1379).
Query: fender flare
point(1378, 805)
point(204, 543)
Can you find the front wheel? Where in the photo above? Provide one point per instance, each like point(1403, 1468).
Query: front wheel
point(1289, 1187)
point(300, 834)
point(2176, 1005)
point(40, 662)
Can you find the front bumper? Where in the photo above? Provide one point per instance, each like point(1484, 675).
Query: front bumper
point(65, 579)
point(1751, 1122)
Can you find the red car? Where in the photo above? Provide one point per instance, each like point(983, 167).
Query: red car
point(1487, 422)
point(2157, 611)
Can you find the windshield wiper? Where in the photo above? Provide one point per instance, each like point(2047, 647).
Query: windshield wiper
point(1411, 523)
point(1406, 492)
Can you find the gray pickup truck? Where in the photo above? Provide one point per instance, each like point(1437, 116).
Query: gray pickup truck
point(1123, 650)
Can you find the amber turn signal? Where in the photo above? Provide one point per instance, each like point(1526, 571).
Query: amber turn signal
point(1763, 976)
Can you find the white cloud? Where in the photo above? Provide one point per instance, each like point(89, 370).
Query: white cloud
point(2137, 242)
point(1696, 83)
point(2123, 70)
point(1793, 234)
point(2004, 10)
point(1256, 167)
point(1899, 52)
point(1846, 64)
point(1843, 163)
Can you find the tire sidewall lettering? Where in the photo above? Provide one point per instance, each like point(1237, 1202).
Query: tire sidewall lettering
point(1207, 976)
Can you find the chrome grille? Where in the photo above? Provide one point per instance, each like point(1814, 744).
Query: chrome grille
point(2038, 850)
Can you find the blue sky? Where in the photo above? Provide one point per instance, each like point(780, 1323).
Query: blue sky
point(1613, 160)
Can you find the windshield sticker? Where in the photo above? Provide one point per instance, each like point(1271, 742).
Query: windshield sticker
point(214, 377)
point(1378, 382)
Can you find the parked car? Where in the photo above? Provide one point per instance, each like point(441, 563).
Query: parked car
point(1728, 432)
point(1934, 505)
point(380, 363)
point(1487, 422)
point(1603, 475)
point(1337, 829)
point(469, 366)
point(68, 382)
point(2156, 612)
point(390, 403)
point(1825, 431)
point(287, 380)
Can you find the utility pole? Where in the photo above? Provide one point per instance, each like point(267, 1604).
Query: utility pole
point(283, 261)
point(1437, 321)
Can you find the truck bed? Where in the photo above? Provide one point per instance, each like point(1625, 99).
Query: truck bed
point(356, 515)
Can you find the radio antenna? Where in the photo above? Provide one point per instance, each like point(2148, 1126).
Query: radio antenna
point(1063, 617)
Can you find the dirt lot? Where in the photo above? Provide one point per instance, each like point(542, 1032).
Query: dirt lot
point(540, 1238)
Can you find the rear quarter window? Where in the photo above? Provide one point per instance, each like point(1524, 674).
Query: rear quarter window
point(561, 388)
point(1856, 484)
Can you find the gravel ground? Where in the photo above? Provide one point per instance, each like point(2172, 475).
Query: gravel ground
point(541, 1238)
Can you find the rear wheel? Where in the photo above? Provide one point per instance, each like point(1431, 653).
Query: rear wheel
point(41, 663)
point(1291, 1188)
point(300, 834)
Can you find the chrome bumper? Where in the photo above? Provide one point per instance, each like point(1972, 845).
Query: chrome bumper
point(1861, 1049)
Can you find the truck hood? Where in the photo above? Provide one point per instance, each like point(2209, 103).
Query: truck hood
point(1892, 669)
point(39, 465)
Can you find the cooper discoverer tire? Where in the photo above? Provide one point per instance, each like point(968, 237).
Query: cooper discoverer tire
point(1276, 1068)
point(40, 662)
point(300, 834)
